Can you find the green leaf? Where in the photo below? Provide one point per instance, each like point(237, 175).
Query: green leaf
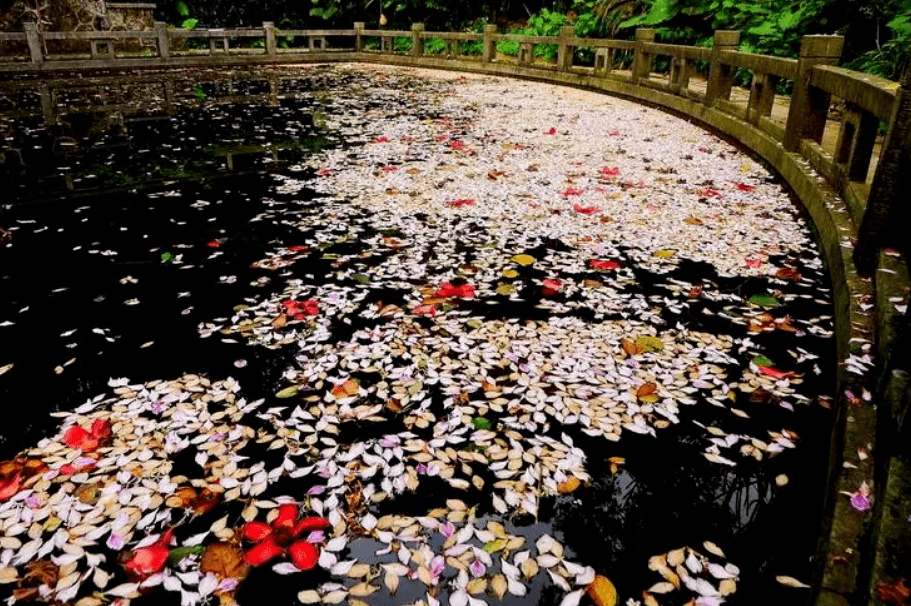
point(288, 392)
point(481, 423)
point(495, 545)
point(362, 278)
point(787, 20)
point(179, 553)
point(182, 9)
point(766, 29)
point(189, 23)
point(165, 257)
point(763, 361)
point(901, 25)
point(763, 300)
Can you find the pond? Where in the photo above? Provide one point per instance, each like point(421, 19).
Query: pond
point(351, 334)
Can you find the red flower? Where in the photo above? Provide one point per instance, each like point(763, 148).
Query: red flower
point(460, 202)
point(425, 310)
point(614, 133)
point(447, 289)
point(87, 441)
point(146, 561)
point(586, 210)
point(552, 131)
point(10, 487)
point(569, 191)
point(552, 286)
point(745, 187)
point(299, 309)
point(213, 243)
point(457, 145)
point(325, 172)
point(281, 537)
point(753, 262)
point(610, 172)
point(381, 139)
point(390, 169)
point(605, 265)
point(298, 248)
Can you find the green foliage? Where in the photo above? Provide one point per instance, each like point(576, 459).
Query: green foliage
point(402, 45)
point(182, 9)
point(508, 47)
point(189, 23)
point(435, 46)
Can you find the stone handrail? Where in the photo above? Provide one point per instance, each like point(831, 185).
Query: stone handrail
point(855, 235)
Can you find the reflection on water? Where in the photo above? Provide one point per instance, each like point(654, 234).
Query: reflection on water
point(80, 136)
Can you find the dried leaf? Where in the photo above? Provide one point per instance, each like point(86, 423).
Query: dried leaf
point(602, 591)
point(224, 560)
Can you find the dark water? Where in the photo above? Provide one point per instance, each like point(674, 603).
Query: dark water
point(88, 209)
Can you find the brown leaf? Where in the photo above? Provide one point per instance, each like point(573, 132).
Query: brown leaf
point(631, 348)
point(225, 561)
point(280, 321)
point(895, 592)
point(205, 501)
point(646, 390)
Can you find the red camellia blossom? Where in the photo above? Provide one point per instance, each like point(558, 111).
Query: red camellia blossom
point(88, 440)
point(298, 248)
point(604, 265)
point(460, 202)
point(447, 289)
point(381, 139)
point(457, 145)
point(745, 187)
point(425, 310)
point(146, 561)
point(552, 131)
point(10, 487)
point(754, 263)
point(282, 536)
point(552, 286)
point(610, 171)
point(569, 191)
point(586, 210)
point(299, 309)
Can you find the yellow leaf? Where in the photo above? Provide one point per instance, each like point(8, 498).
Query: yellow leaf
point(510, 273)
point(505, 289)
point(665, 253)
point(602, 592)
point(524, 259)
point(288, 392)
point(650, 343)
point(570, 484)
point(789, 581)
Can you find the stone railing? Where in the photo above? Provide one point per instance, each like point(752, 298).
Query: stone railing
point(851, 189)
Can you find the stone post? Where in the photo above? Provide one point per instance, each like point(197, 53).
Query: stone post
point(34, 42)
point(48, 103)
point(271, 47)
point(358, 36)
point(762, 97)
point(642, 61)
point(490, 47)
point(810, 106)
point(417, 43)
point(565, 50)
point(164, 39)
point(887, 210)
point(721, 77)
